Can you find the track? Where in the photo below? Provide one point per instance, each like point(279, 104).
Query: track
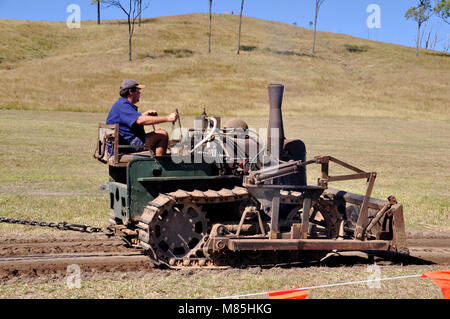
point(34, 257)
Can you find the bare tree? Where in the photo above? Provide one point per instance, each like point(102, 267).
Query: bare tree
point(428, 39)
point(318, 4)
point(98, 2)
point(446, 46)
point(421, 13)
point(210, 26)
point(133, 11)
point(240, 24)
point(140, 12)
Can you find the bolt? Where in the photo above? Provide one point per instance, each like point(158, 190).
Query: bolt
point(220, 244)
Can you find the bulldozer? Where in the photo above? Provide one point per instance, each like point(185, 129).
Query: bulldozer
point(234, 197)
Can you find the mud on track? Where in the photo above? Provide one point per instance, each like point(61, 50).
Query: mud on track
point(22, 257)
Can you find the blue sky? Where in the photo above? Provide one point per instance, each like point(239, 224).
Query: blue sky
point(339, 16)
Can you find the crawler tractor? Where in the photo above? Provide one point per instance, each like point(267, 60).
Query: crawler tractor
point(229, 196)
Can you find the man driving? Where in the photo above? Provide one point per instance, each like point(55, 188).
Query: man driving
point(131, 122)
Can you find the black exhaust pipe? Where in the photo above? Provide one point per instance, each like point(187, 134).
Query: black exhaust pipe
point(275, 120)
point(282, 148)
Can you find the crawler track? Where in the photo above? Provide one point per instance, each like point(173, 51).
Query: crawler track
point(186, 212)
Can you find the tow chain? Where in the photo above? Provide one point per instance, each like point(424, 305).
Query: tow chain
point(60, 225)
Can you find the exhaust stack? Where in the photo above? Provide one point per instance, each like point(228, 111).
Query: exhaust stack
point(275, 129)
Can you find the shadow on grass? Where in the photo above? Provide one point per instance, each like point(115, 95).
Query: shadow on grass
point(440, 54)
point(123, 21)
point(174, 53)
point(338, 259)
point(248, 48)
point(371, 257)
point(353, 48)
point(290, 53)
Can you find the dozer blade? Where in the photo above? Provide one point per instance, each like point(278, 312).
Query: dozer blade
point(383, 220)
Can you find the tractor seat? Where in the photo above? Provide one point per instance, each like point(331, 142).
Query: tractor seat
point(126, 158)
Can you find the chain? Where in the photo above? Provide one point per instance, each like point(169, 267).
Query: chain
point(60, 225)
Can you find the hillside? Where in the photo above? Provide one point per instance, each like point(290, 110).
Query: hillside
point(46, 66)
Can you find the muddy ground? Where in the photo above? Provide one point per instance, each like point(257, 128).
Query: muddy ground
point(24, 259)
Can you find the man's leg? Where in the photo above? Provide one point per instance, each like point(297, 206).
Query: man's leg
point(158, 141)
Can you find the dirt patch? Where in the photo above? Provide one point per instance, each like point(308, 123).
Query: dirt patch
point(26, 259)
point(14, 269)
point(51, 245)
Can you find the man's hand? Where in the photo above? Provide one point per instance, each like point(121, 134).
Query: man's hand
point(172, 117)
point(151, 113)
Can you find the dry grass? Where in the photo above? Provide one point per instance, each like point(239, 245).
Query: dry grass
point(194, 284)
point(47, 66)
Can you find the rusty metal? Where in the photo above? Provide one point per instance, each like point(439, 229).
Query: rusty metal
point(386, 209)
point(304, 244)
point(222, 236)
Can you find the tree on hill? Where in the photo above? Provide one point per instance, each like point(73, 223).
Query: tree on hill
point(421, 13)
point(133, 9)
point(240, 24)
point(318, 4)
point(98, 2)
point(210, 26)
point(442, 9)
point(140, 12)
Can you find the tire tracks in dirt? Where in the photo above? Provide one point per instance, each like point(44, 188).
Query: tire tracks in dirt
point(44, 255)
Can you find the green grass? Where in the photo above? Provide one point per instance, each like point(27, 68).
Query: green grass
point(347, 77)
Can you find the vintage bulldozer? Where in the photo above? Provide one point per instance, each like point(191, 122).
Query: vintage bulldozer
point(228, 196)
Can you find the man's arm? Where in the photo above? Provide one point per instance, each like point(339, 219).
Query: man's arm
point(146, 119)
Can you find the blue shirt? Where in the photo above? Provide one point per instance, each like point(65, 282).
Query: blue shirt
point(126, 114)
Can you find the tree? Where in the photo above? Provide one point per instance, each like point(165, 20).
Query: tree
point(140, 12)
point(240, 24)
point(210, 26)
point(98, 2)
point(421, 13)
point(442, 9)
point(133, 11)
point(318, 4)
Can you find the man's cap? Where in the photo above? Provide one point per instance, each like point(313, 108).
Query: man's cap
point(130, 84)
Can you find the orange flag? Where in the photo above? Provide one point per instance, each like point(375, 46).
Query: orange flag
point(442, 279)
point(296, 293)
